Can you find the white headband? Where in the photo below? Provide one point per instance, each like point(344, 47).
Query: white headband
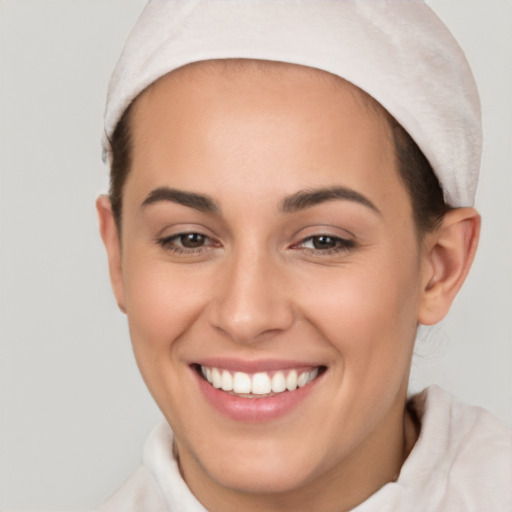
point(398, 51)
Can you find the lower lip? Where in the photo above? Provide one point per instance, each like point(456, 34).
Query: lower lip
point(254, 409)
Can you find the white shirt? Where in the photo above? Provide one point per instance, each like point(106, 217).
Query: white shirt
point(461, 462)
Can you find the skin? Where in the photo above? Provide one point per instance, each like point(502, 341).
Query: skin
point(259, 288)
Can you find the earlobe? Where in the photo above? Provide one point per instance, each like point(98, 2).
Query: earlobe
point(111, 240)
point(450, 251)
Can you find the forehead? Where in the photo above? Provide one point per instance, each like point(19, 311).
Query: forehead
point(218, 84)
point(241, 73)
point(264, 121)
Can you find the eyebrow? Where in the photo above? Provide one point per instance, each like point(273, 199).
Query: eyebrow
point(311, 197)
point(199, 202)
point(296, 202)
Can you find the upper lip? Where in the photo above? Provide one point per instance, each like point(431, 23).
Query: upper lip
point(255, 366)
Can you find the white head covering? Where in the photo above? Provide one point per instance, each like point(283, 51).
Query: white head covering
point(398, 51)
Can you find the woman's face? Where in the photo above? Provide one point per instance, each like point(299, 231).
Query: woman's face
point(266, 234)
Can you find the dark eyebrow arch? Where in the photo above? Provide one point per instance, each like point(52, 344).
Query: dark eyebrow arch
point(311, 197)
point(199, 202)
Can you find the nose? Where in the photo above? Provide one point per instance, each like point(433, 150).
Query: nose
point(251, 300)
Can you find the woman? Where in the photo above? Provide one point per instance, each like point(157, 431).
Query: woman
point(291, 195)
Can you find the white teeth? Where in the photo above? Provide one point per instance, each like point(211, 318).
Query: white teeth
point(241, 383)
point(291, 381)
point(302, 380)
point(278, 382)
point(216, 378)
point(259, 383)
point(227, 381)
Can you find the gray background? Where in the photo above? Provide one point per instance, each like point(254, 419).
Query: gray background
point(74, 411)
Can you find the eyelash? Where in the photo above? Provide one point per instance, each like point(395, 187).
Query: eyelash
point(340, 244)
point(169, 243)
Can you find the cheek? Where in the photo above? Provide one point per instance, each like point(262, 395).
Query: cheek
point(369, 317)
point(368, 313)
point(161, 305)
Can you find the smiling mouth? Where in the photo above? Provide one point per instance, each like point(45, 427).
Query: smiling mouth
point(260, 384)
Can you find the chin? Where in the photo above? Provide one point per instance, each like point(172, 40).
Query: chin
point(260, 468)
point(263, 477)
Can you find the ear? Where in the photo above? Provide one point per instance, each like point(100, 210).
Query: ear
point(449, 253)
point(112, 242)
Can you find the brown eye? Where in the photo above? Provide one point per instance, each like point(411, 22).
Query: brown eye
point(192, 240)
point(189, 243)
point(324, 242)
